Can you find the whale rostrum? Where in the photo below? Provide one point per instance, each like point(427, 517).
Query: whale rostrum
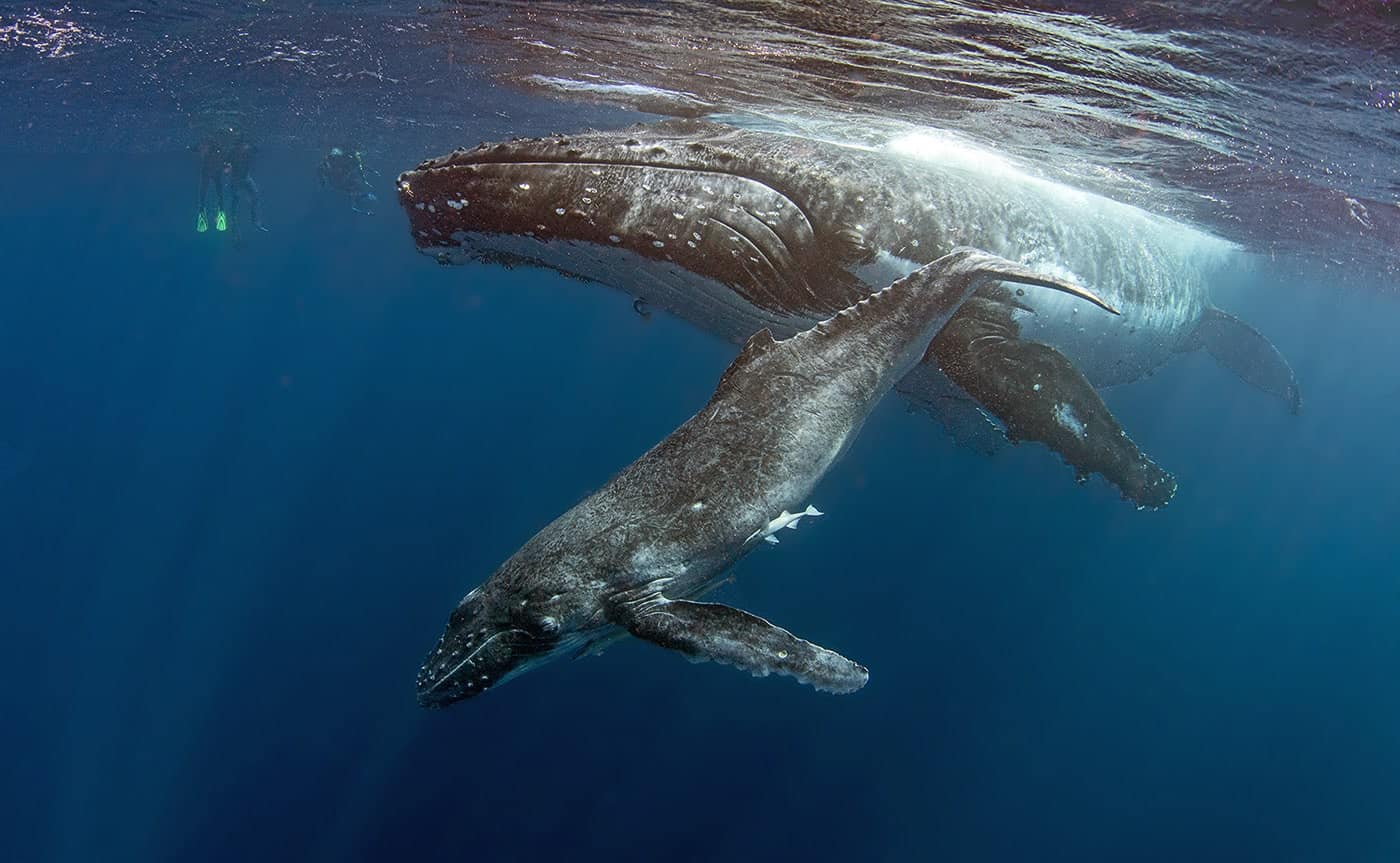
point(636, 555)
point(734, 229)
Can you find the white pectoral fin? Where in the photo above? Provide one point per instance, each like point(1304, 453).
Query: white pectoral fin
point(771, 539)
point(718, 633)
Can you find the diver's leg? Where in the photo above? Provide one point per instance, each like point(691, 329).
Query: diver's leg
point(233, 220)
point(251, 189)
point(202, 210)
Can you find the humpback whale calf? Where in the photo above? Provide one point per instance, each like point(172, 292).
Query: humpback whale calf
point(736, 229)
point(634, 556)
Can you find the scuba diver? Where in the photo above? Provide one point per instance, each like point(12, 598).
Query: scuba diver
point(224, 162)
point(344, 171)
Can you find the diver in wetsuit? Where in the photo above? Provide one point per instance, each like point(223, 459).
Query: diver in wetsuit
point(344, 171)
point(237, 162)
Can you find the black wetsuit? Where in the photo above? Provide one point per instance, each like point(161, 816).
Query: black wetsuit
point(344, 172)
point(240, 183)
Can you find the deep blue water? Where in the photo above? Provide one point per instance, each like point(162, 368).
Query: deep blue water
point(240, 490)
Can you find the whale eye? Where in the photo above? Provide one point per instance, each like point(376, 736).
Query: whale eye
point(543, 627)
point(535, 622)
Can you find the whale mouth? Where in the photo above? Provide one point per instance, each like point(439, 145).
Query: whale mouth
point(467, 662)
point(482, 646)
point(681, 200)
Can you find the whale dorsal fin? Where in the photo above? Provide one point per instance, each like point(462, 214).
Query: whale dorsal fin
point(719, 633)
point(758, 344)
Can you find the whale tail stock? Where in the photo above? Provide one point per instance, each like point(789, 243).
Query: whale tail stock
point(1243, 350)
point(987, 266)
point(909, 313)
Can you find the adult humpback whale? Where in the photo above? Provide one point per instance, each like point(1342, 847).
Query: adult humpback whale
point(635, 554)
point(736, 229)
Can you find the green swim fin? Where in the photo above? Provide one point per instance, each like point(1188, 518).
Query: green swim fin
point(221, 222)
point(201, 224)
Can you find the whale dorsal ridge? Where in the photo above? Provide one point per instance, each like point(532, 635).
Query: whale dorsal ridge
point(758, 344)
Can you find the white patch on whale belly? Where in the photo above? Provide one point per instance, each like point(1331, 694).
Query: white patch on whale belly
point(1066, 417)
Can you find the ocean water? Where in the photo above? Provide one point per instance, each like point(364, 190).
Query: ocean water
point(242, 487)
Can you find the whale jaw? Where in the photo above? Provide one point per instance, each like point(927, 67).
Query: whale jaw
point(681, 200)
point(481, 648)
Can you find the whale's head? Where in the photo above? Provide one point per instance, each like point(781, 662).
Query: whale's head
point(543, 603)
point(492, 635)
point(643, 208)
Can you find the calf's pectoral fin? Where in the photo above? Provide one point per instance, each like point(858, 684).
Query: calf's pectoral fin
point(1243, 350)
point(1039, 395)
point(709, 631)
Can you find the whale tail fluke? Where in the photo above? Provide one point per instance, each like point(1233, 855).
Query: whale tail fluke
point(1243, 350)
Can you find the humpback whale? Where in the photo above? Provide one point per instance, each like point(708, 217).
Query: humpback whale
point(635, 555)
point(736, 229)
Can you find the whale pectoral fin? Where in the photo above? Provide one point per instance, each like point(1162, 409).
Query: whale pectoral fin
point(710, 631)
point(1039, 395)
point(1243, 350)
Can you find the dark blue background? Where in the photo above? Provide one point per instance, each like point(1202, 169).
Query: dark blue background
point(241, 490)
